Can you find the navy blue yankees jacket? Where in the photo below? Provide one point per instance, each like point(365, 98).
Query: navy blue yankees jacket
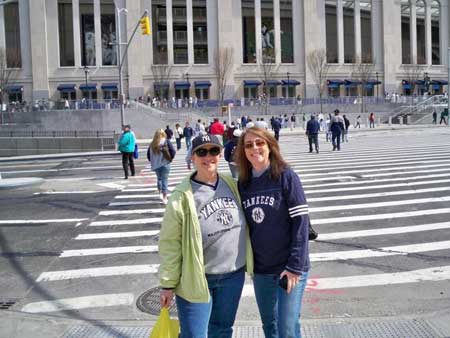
point(277, 213)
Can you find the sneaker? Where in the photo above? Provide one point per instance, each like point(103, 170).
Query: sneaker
point(164, 201)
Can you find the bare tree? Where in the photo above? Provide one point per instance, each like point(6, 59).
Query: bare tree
point(9, 62)
point(412, 74)
point(161, 74)
point(268, 69)
point(223, 59)
point(319, 67)
point(361, 74)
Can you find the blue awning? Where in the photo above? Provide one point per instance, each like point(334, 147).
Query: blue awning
point(202, 84)
point(252, 83)
point(289, 83)
point(110, 86)
point(182, 84)
point(406, 84)
point(14, 89)
point(373, 82)
point(158, 85)
point(420, 83)
point(439, 82)
point(352, 83)
point(66, 87)
point(88, 87)
point(273, 83)
point(335, 83)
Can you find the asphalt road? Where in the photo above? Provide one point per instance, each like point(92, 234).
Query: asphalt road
point(83, 245)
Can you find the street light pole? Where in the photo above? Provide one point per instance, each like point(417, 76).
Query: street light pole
point(119, 58)
point(186, 76)
point(376, 73)
point(448, 87)
point(288, 84)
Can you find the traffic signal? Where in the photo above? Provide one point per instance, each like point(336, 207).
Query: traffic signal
point(145, 26)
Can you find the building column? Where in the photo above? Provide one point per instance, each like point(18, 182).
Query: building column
point(428, 44)
point(39, 55)
point(76, 32)
point(169, 21)
point(258, 42)
point(134, 60)
point(190, 31)
point(276, 17)
point(316, 37)
point(98, 34)
point(444, 33)
point(413, 35)
point(357, 27)
point(340, 30)
point(377, 41)
point(229, 32)
point(392, 39)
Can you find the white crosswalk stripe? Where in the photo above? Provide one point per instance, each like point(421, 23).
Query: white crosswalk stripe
point(369, 203)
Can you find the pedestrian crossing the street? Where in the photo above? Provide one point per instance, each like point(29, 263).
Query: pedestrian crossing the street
point(381, 206)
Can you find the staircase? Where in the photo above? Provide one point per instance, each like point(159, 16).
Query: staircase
point(420, 112)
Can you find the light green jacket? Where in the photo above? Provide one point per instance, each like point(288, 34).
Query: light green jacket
point(180, 245)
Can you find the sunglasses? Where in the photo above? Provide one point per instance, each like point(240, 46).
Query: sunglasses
point(257, 143)
point(202, 152)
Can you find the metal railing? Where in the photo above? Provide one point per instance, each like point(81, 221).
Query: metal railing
point(59, 133)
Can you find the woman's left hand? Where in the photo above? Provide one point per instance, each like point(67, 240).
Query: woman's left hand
point(292, 279)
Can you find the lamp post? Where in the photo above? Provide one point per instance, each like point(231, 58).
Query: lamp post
point(448, 87)
point(86, 72)
point(426, 81)
point(376, 74)
point(186, 76)
point(119, 11)
point(288, 84)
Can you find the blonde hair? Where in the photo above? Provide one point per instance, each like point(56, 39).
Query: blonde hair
point(159, 134)
point(277, 163)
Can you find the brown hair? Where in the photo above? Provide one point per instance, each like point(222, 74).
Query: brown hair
point(159, 134)
point(277, 163)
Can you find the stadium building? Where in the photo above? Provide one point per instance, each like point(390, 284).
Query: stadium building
point(67, 49)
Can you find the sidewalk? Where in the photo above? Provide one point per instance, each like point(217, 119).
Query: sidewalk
point(22, 325)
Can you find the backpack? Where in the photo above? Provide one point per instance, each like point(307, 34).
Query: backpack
point(166, 153)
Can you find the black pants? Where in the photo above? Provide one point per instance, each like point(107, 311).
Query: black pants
point(313, 138)
point(178, 140)
point(277, 135)
point(336, 140)
point(443, 119)
point(127, 159)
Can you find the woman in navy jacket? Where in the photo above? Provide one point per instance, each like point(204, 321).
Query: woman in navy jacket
point(277, 213)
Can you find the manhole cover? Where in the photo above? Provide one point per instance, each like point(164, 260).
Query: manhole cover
point(149, 302)
point(6, 303)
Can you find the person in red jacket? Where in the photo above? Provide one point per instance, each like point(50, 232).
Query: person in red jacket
point(217, 129)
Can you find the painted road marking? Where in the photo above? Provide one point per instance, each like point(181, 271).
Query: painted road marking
point(434, 274)
point(98, 272)
point(128, 222)
point(127, 212)
point(77, 303)
point(109, 251)
point(68, 192)
point(122, 204)
point(384, 231)
point(411, 172)
point(376, 181)
point(43, 221)
point(381, 194)
point(380, 204)
point(118, 235)
point(381, 186)
point(379, 252)
point(381, 216)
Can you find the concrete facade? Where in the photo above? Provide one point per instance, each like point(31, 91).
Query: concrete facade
point(41, 73)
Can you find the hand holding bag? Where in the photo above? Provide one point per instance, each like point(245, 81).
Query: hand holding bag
point(165, 327)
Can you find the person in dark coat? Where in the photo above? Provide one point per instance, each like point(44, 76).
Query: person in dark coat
point(312, 130)
point(169, 132)
point(336, 127)
point(276, 126)
point(346, 126)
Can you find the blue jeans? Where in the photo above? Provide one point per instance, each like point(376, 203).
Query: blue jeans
point(162, 176)
point(216, 318)
point(279, 310)
point(188, 142)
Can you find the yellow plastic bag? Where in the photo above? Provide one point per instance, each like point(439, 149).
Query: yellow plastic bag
point(165, 327)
